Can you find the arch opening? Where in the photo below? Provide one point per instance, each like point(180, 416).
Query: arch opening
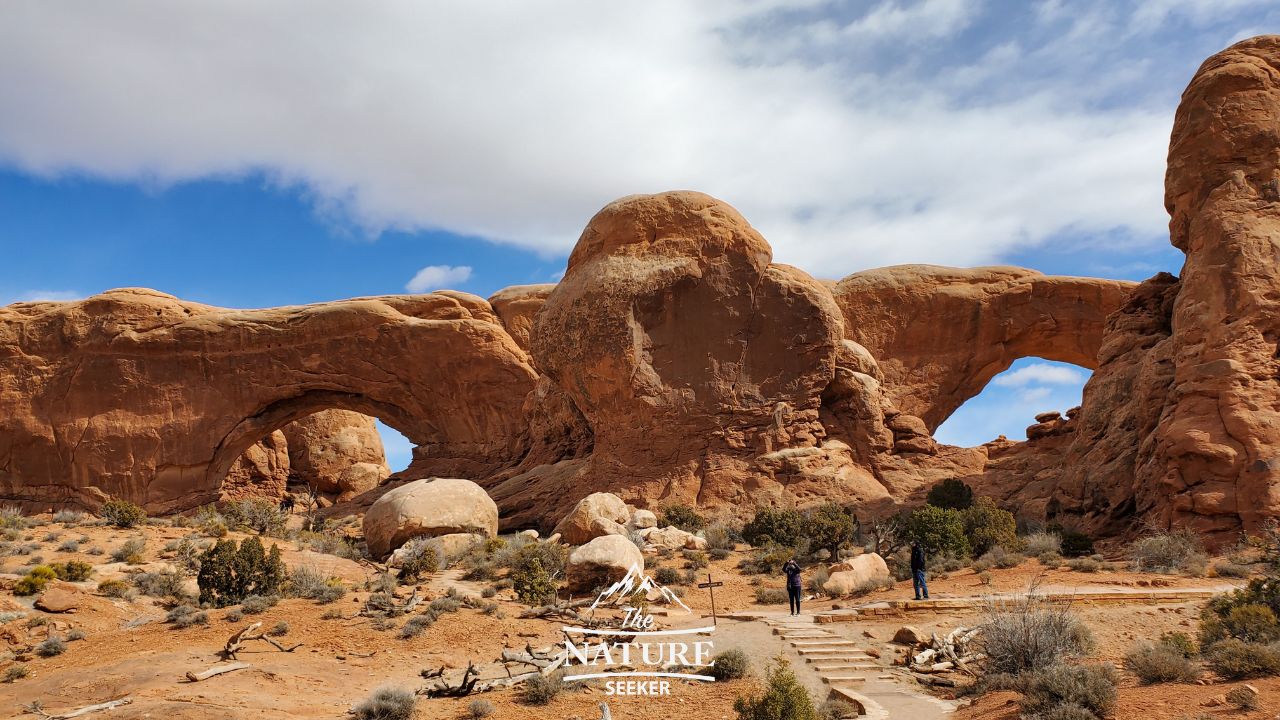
point(323, 442)
point(1008, 403)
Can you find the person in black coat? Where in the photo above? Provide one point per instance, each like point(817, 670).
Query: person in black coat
point(794, 585)
point(917, 571)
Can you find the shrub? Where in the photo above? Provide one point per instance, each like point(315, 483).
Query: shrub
point(34, 581)
point(1250, 622)
point(68, 517)
point(416, 625)
point(1236, 659)
point(838, 710)
point(779, 526)
point(533, 570)
point(997, 557)
point(1088, 687)
point(281, 628)
point(1075, 543)
point(75, 634)
point(829, 527)
point(771, 596)
point(16, 672)
point(229, 574)
point(234, 615)
point(122, 513)
point(818, 580)
point(69, 545)
point(1243, 697)
point(987, 526)
point(542, 689)
point(1159, 663)
point(258, 604)
point(1223, 568)
point(683, 517)
point(1029, 634)
point(480, 709)
point(1169, 552)
point(113, 588)
point(950, 494)
point(766, 562)
point(53, 646)
point(784, 698)
point(161, 584)
point(418, 559)
point(72, 571)
point(696, 559)
point(307, 582)
point(1042, 542)
point(940, 531)
point(132, 551)
point(667, 576)
point(730, 665)
point(1181, 643)
point(1084, 565)
point(259, 515)
point(184, 616)
point(386, 703)
point(720, 537)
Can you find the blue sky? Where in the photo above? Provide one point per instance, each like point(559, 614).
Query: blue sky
point(248, 154)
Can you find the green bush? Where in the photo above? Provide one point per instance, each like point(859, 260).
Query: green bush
point(259, 515)
point(950, 494)
point(131, 551)
point(939, 530)
point(113, 588)
point(1237, 660)
point(829, 527)
point(987, 526)
point(34, 581)
point(667, 576)
point(781, 526)
point(418, 560)
point(1181, 643)
point(72, 570)
point(532, 584)
point(683, 517)
point(730, 665)
point(1088, 687)
point(386, 703)
point(1075, 543)
point(783, 699)
point(767, 561)
point(228, 574)
point(122, 513)
point(1160, 663)
point(1247, 614)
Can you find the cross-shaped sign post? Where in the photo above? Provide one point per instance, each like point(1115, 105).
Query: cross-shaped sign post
point(711, 587)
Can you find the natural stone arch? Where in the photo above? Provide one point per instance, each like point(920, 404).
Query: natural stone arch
point(941, 334)
point(136, 394)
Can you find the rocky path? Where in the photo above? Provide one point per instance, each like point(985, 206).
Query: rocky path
point(832, 665)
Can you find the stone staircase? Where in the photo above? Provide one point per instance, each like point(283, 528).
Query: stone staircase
point(841, 665)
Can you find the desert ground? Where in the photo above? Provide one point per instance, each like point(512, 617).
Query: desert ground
point(129, 650)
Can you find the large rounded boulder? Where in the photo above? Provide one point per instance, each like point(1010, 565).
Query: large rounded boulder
point(604, 560)
point(595, 515)
point(428, 508)
point(855, 573)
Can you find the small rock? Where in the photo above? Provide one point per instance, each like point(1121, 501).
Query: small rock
point(58, 600)
point(910, 636)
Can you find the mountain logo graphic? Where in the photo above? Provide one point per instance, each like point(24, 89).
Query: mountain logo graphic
point(636, 581)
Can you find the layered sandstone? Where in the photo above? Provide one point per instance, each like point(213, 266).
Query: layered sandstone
point(325, 446)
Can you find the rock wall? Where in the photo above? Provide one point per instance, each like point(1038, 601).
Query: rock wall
point(325, 446)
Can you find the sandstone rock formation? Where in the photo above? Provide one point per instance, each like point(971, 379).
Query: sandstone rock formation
point(261, 471)
point(517, 306)
point(136, 394)
point(428, 508)
point(324, 446)
point(855, 573)
point(604, 560)
point(940, 334)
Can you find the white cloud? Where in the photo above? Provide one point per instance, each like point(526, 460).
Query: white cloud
point(1034, 394)
point(1042, 373)
point(516, 122)
point(435, 277)
point(45, 295)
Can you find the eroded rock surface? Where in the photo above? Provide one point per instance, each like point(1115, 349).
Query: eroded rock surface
point(428, 508)
point(323, 447)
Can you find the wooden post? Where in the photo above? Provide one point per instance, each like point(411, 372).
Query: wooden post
point(711, 587)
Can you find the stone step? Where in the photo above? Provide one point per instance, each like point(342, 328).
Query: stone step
point(867, 707)
point(800, 634)
point(838, 679)
point(833, 666)
point(833, 642)
point(849, 656)
point(847, 652)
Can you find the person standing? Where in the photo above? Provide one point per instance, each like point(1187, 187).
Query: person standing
point(917, 571)
point(794, 585)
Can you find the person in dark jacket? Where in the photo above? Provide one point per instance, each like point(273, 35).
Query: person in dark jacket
point(917, 571)
point(794, 585)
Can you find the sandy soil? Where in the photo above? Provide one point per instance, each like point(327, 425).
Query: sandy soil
point(130, 651)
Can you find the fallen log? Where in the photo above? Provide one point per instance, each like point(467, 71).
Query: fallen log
point(86, 710)
point(236, 642)
point(216, 670)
